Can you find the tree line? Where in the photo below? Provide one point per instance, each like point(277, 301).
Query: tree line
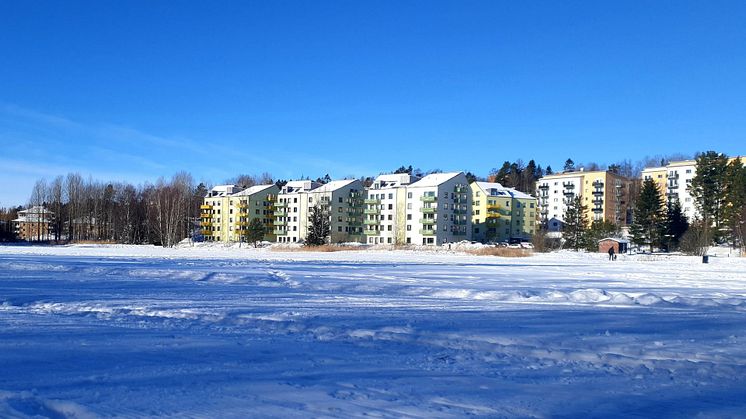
point(88, 210)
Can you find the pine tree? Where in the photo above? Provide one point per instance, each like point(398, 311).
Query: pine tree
point(255, 231)
point(569, 165)
point(649, 218)
point(319, 228)
point(734, 211)
point(708, 189)
point(549, 171)
point(676, 225)
point(576, 224)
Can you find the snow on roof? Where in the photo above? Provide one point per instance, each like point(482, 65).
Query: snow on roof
point(252, 190)
point(394, 179)
point(496, 189)
point(295, 186)
point(616, 239)
point(221, 190)
point(333, 185)
point(434, 179)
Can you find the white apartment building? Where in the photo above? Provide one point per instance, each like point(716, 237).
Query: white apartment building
point(344, 201)
point(291, 211)
point(554, 192)
point(214, 213)
point(438, 209)
point(386, 209)
point(673, 182)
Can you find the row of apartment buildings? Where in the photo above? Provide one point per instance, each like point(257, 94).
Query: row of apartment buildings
point(395, 209)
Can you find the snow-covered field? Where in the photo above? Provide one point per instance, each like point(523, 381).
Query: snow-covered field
point(89, 331)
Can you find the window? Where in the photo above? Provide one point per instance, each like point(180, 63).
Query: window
point(409, 195)
point(391, 196)
point(409, 216)
point(409, 227)
point(339, 228)
point(409, 205)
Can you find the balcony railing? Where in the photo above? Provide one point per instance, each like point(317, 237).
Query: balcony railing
point(371, 232)
point(545, 187)
point(598, 192)
point(205, 207)
point(598, 184)
point(427, 232)
point(597, 210)
point(568, 185)
point(428, 221)
point(279, 232)
point(458, 233)
point(279, 222)
point(205, 215)
point(206, 223)
point(459, 211)
point(428, 210)
point(428, 198)
point(206, 232)
point(281, 204)
point(372, 211)
point(371, 222)
point(372, 201)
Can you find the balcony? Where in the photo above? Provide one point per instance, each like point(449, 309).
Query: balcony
point(371, 222)
point(372, 211)
point(460, 222)
point(598, 201)
point(280, 204)
point(493, 215)
point(427, 232)
point(569, 194)
point(372, 201)
point(205, 207)
point(279, 222)
point(206, 223)
point(242, 205)
point(544, 187)
point(597, 192)
point(461, 189)
point(279, 232)
point(428, 210)
point(242, 214)
point(428, 198)
point(459, 211)
point(597, 210)
point(206, 232)
point(205, 215)
point(427, 221)
point(458, 233)
point(568, 185)
point(598, 184)
point(371, 232)
point(242, 223)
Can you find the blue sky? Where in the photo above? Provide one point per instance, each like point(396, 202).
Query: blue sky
point(137, 90)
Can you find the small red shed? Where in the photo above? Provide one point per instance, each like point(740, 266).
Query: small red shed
point(619, 245)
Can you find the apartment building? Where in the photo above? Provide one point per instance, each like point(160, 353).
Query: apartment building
point(502, 214)
point(605, 195)
point(291, 211)
point(673, 181)
point(34, 223)
point(438, 209)
point(254, 202)
point(344, 200)
point(386, 209)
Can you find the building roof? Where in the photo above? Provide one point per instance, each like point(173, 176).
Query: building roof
point(394, 180)
point(615, 239)
point(497, 189)
point(220, 190)
point(295, 186)
point(434, 179)
point(252, 190)
point(333, 185)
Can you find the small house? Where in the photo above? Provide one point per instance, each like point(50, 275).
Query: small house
point(619, 245)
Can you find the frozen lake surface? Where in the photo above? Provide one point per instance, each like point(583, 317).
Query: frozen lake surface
point(88, 331)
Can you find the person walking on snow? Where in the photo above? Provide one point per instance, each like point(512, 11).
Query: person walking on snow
point(611, 253)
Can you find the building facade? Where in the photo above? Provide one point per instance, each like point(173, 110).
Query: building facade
point(291, 211)
point(386, 209)
point(502, 214)
point(34, 224)
point(604, 194)
point(438, 209)
point(226, 212)
point(344, 201)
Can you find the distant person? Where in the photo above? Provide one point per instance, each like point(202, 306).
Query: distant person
point(612, 256)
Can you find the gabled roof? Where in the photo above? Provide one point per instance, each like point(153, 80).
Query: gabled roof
point(393, 180)
point(434, 179)
point(252, 190)
point(497, 189)
point(333, 185)
point(616, 239)
point(296, 186)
